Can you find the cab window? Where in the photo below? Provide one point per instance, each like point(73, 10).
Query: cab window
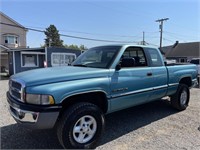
point(155, 58)
point(137, 55)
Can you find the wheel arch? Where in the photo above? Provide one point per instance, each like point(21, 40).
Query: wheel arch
point(186, 80)
point(98, 98)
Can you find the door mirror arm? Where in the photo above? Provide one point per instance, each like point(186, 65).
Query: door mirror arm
point(118, 67)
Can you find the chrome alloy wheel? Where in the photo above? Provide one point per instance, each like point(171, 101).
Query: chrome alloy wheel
point(84, 129)
point(183, 97)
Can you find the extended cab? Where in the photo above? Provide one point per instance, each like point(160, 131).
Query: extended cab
point(104, 79)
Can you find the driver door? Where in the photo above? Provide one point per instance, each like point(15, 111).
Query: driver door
point(131, 85)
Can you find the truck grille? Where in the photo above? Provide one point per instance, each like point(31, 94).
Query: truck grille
point(16, 90)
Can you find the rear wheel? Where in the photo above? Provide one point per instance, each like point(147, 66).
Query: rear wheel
point(80, 126)
point(180, 99)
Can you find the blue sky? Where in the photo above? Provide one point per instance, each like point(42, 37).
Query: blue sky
point(116, 20)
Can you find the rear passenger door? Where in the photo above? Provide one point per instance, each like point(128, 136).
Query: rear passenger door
point(159, 72)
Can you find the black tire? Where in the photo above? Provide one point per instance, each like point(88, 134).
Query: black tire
point(74, 116)
point(180, 99)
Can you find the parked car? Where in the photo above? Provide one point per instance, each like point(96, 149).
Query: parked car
point(104, 79)
point(196, 61)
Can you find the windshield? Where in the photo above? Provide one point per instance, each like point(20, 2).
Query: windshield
point(98, 57)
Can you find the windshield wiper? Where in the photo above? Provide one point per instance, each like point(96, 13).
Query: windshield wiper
point(80, 65)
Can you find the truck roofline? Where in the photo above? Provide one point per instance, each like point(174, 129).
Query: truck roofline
point(127, 45)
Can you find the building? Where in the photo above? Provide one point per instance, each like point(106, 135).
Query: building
point(33, 58)
point(182, 52)
point(12, 35)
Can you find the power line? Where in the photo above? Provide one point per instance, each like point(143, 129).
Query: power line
point(71, 36)
point(168, 40)
point(100, 34)
point(176, 35)
point(151, 44)
point(89, 33)
point(92, 39)
point(73, 31)
point(76, 37)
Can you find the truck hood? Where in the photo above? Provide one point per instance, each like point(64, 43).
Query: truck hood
point(58, 74)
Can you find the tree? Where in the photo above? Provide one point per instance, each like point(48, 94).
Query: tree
point(53, 37)
point(74, 46)
point(82, 47)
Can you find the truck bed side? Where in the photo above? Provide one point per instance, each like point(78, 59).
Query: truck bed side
point(178, 73)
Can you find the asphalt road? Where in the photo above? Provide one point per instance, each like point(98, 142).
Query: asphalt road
point(152, 126)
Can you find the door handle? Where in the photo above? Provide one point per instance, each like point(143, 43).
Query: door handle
point(149, 74)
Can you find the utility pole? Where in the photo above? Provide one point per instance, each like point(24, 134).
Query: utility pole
point(161, 29)
point(143, 42)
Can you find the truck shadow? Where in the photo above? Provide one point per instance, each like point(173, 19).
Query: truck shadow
point(117, 125)
point(126, 121)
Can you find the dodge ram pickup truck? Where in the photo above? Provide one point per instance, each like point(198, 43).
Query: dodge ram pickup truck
point(74, 99)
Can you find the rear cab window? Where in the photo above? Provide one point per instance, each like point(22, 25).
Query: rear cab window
point(154, 57)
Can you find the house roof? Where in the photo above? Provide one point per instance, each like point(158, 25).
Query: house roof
point(27, 49)
point(162, 52)
point(183, 50)
point(18, 24)
point(166, 49)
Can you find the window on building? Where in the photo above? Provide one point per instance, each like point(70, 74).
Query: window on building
point(11, 39)
point(182, 60)
point(62, 59)
point(29, 60)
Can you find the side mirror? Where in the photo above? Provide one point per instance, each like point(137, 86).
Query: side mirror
point(118, 67)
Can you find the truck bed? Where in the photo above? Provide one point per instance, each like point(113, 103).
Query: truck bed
point(173, 64)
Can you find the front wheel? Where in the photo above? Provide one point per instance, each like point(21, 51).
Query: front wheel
point(80, 126)
point(180, 99)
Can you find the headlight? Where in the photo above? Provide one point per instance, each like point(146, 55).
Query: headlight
point(40, 99)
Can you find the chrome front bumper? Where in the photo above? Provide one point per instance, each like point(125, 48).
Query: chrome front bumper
point(23, 115)
point(33, 116)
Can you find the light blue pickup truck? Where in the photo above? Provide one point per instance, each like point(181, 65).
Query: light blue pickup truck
point(74, 99)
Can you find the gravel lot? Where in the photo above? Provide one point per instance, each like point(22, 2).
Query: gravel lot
point(152, 126)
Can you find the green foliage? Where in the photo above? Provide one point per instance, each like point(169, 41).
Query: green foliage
point(82, 47)
point(53, 37)
point(73, 46)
